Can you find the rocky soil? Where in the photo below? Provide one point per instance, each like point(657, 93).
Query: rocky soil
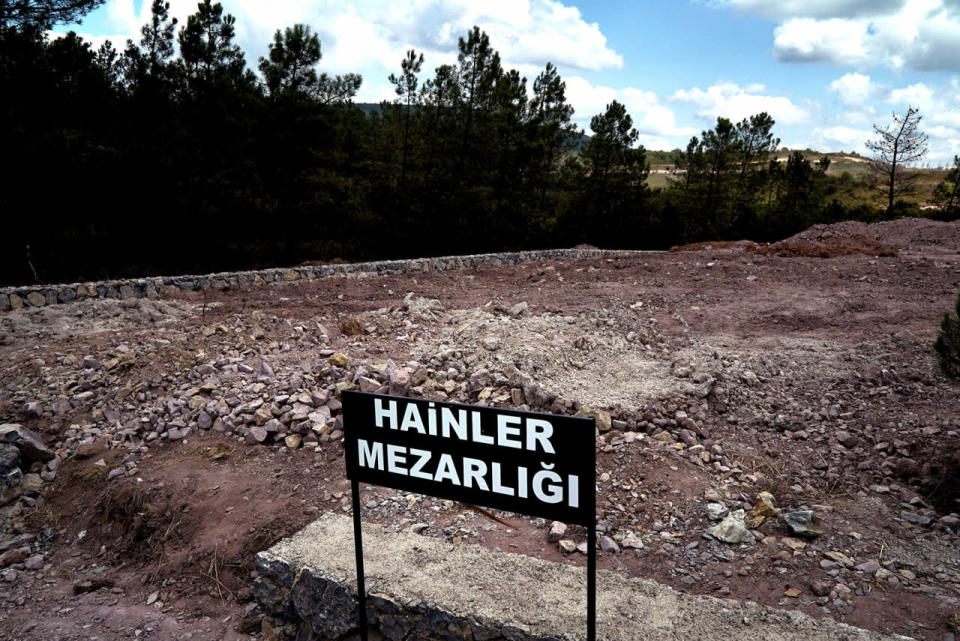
point(773, 428)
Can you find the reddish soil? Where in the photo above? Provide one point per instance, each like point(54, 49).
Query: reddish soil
point(187, 524)
point(828, 248)
point(709, 245)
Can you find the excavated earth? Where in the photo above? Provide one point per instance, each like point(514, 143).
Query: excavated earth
point(191, 433)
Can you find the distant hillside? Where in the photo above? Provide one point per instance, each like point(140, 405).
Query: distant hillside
point(840, 161)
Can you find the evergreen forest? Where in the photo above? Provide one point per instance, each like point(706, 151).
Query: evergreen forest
point(178, 154)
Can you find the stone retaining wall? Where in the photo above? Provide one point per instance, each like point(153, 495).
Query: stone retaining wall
point(426, 589)
point(40, 295)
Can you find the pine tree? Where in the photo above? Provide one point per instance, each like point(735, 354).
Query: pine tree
point(406, 86)
point(552, 131)
point(616, 175)
point(947, 194)
point(208, 54)
point(43, 14)
point(290, 69)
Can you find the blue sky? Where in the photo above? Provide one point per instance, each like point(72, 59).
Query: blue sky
point(826, 70)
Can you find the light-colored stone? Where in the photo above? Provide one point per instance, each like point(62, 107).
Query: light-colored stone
point(716, 511)
point(608, 545)
point(36, 299)
point(35, 562)
point(567, 546)
point(732, 529)
point(519, 309)
point(632, 542)
point(256, 434)
point(602, 417)
point(839, 557)
point(557, 531)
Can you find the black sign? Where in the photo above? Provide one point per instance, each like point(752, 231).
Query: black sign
point(537, 464)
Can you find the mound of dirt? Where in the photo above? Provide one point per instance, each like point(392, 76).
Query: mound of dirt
point(851, 238)
point(900, 234)
point(708, 245)
point(907, 233)
point(94, 316)
point(818, 233)
point(828, 246)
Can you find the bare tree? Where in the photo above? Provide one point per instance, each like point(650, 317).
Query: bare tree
point(897, 145)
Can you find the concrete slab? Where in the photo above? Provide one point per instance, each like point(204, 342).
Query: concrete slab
point(424, 588)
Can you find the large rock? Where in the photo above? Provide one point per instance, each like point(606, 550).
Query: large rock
point(9, 459)
point(256, 434)
point(10, 557)
point(557, 531)
point(732, 529)
point(602, 417)
point(10, 486)
point(28, 442)
point(803, 523)
point(847, 439)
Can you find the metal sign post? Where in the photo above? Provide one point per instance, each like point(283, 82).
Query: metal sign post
point(358, 546)
point(525, 462)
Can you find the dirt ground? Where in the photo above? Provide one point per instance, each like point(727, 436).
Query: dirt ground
point(192, 433)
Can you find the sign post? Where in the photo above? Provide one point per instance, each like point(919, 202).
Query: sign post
point(538, 464)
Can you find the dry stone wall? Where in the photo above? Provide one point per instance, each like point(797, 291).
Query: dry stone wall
point(12, 298)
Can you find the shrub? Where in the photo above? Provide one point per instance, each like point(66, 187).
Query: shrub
point(947, 345)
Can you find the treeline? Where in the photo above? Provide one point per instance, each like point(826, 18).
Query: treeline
point(174, 156)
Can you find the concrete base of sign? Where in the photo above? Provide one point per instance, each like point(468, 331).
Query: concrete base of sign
point(422, 588)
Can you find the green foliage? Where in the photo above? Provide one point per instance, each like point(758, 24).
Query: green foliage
point(947, 194)
point(208, 56)
point(290, 69)
point(39, 15)
point(188, 162)
point(613, 174)
point(723, 177)
point(947, 345)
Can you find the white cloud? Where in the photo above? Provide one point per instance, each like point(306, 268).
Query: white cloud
point(655, 122)
point(364, 32)
point(731, 101)
point(915, 95)
point(587, 99)
point(118, 41)
point(781, 9)
point(833, 40)
point(122, 17)
point(856, 93)
point(370, 37)
point(657, 142)
point(917, 34)
point(854, 89)
point(939, 109)
point(840, 138)
point(650, 117)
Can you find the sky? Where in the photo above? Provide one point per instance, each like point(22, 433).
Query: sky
point(825, 70)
